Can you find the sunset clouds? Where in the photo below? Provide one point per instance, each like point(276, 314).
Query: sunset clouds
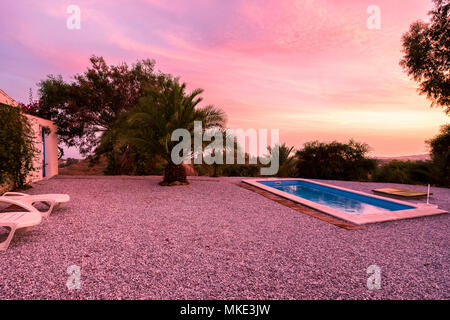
point(310, 68)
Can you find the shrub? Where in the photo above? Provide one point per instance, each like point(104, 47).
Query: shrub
point(241, 170)
point(408, 172)
point(335, 160)
point(228, 170)
point(16, 147)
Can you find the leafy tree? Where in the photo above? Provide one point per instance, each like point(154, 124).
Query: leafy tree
point(87, 107)
point(335, 160)
point(16, 147)
point(163, 109)
point(440, 153)
point(426, 48)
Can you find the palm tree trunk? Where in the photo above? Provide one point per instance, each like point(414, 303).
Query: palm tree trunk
point(174, 175)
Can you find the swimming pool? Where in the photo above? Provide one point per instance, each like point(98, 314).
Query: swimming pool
point(346, 204)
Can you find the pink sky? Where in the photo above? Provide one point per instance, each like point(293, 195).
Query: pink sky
point(310, 68)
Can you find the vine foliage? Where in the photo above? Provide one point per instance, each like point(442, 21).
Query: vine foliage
point(16, 147)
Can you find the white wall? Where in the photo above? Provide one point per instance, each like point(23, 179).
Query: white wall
point(51, 149)
point(5, 99)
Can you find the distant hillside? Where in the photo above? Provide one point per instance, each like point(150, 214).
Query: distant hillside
point(416, 157)
point(84, 168)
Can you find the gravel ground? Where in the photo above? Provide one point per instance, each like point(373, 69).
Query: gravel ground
point(214, 240)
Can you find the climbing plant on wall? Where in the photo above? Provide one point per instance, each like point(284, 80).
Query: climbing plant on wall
point(16, 147)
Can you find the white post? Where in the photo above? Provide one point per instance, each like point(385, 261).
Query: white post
point(428, 195)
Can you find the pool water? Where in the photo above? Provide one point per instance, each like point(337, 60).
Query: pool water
point(342, 200)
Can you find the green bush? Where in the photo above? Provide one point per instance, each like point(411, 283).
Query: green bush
point(408, 172)
point(16, 147)
point(335, 160)
point(241, 170)
point(228, 170)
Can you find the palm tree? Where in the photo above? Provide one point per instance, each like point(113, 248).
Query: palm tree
point(286, 159)
point(162, 110)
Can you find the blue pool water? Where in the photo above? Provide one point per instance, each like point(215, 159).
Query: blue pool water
point(346, 201)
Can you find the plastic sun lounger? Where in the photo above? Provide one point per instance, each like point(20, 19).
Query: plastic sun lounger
point(400, 193)
point(14, 219)
point(52, 200)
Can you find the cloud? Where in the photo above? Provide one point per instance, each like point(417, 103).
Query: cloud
point(266, 63)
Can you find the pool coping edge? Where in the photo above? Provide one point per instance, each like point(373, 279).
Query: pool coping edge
point(419, 210)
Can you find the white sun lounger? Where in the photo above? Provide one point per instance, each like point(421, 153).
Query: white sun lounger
point(15, 219)
point(52, 200)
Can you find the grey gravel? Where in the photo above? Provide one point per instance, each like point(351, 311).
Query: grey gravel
point(134, 239)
